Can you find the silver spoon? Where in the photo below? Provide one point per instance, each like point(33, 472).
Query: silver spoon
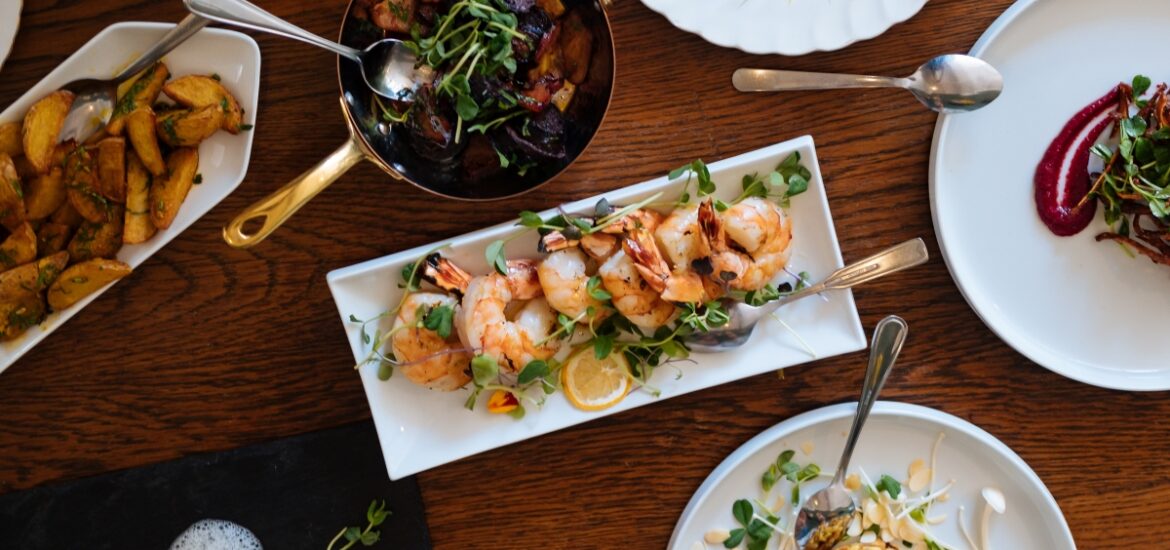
point(948, 83)
point(744, 317)
point(387, 65)
point(94, 99)
point(826, 513)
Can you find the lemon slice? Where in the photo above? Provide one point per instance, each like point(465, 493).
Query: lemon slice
point(593, 384)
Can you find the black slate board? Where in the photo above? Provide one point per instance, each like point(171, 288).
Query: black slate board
point(292, 493)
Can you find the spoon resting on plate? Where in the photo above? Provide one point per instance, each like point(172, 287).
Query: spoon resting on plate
point(94, 98)
point(951, 83)
point(826, 514)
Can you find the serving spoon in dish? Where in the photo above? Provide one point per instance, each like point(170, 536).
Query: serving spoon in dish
point(951, 83)
point(744, 318)
point(825, 515)
point(94, 98)
point(388, 66)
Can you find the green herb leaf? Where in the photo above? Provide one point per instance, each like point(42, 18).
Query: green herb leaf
point(735, 538)
point(743, 510)
point(602, 346)
point(1141, 83)
point(440, 320)
point(495, 256)
point(530, 219)
point(533, 370)
point(484, 370)
point(595, 290)
point(890, 486)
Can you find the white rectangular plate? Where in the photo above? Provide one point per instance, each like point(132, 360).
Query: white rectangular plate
point(223, 158)
point(421, 429)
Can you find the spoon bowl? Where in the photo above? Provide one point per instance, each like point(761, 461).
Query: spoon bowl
point(94, 99)
point(388, 66)
point(952, 83)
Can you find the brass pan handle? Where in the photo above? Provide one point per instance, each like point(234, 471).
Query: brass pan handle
point(277, 207)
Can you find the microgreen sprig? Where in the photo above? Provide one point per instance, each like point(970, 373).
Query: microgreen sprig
point(375, 515)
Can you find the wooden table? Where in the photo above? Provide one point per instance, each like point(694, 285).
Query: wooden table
point(208, 348)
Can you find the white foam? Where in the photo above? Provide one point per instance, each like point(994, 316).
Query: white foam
point(216, 534)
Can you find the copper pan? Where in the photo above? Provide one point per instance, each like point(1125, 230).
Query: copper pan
point(383, 145)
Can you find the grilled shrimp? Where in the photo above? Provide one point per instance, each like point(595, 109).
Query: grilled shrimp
point(522, 278)
point(677, 285)
point(749, 242)
point(680, 238)
point(426, 358)
point(512, 340)
point(564, 277)
point(632, 295)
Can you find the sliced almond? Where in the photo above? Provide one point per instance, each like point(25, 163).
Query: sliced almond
point(920, 479)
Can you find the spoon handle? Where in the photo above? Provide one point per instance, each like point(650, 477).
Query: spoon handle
point(770, 80)
point(242, 13)
point(888, 337)
point(187, 27)
point(891, 260)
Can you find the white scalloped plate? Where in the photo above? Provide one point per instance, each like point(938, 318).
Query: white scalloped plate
point(895, 435)
point(786, 27)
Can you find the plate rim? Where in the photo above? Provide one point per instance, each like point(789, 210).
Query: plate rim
point(1092, 375)
point(30, 340)
point(7, 48)
point(857, 339)
point(733, 40)
point(829, 413)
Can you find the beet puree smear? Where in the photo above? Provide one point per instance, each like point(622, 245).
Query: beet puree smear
point(1062, 182)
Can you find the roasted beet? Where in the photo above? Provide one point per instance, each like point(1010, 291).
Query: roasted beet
point(576, 45)
point(393, 15)
point(480, 160)
point(535, 24)
point(431, 128)
point(541, 138)
point(519, 6)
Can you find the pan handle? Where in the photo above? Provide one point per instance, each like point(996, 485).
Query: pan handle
point(274, 209)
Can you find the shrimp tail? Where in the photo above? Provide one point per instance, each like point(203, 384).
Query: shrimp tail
point(554, 241)
point(722, 266)
point(444, 274)
point(523, 280)
point(648, 260)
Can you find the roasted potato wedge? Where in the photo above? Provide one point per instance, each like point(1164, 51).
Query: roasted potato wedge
point(83, 279)
point(188, 128)
point(111, 168)
point(10, 140)
point(52, 237)
point(81, 186)
point(42, 125)
point(67, 216)
point(142, 92)
point(140, 127)
point(138, 227)
point(20, 313)
point(12, 212)
point(32, 277)
point(167, 195)
point(98, 240)
point(44, 194)
point(19, 248)
point(197, 91)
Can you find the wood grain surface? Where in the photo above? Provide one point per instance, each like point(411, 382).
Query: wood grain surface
point(207, 348)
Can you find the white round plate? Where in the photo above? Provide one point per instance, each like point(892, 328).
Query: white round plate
point(9, 21)
point(785, 27)
point(895, 435)
point(1081, 308)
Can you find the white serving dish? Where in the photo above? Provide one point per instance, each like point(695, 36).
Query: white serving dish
point(421, 429)
point(1078, 307)
point(785, 27)
point(223, 158)
point(895, 435)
